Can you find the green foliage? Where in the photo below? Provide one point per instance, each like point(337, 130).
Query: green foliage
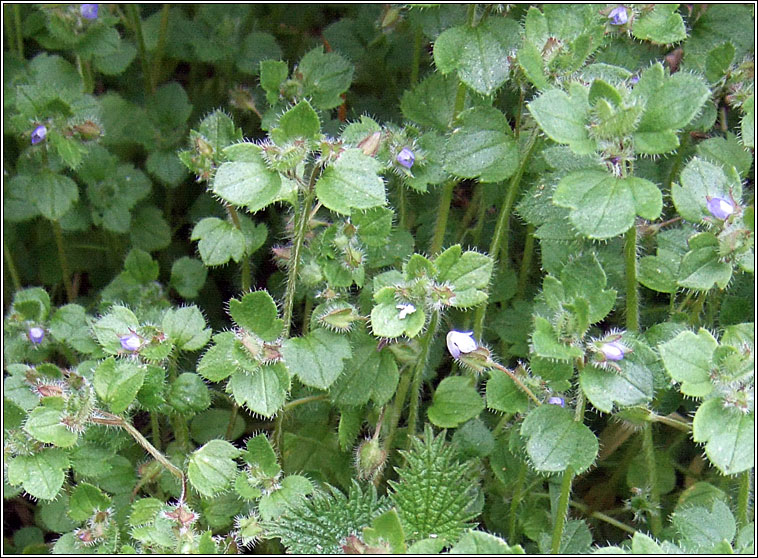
point(252, 251)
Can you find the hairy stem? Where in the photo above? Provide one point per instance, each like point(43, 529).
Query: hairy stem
point(19, 32)
point(397, 411)
point(65, 270)
point(160, 47)
point(562, 510)
point(515, 501)
point(417, 45)
point(232, 420)
point(245, 264)
point(526, 262)
point(501, 236)
point(743, 499)
point(155, 429)
point(516, 380)
point(302, 401)
point(632, 295)
point(440, 224)
point(648, 449)
point(136, 23)
point(418, 374)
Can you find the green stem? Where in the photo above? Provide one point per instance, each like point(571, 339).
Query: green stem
point(155, 428)
point(302, 217)
point(648, 449)
point(471, 15)
point(672, 422)
point(440, 224)
point(418, 374)
point(562, 510)
point(516, 380)
point(302, 401)
point(11, 267)
point(85, 71)
point(232, 420)
point(58, 232)
point(501, 424)
point(526, 262)
point(471, 210)
point(632, 295)
point(136, 22)
point(397, 410)
point(515, 501)
point(417, 44)
point(402, 209)
point(19, 32)
point(584, 508)
point(501, 235)
point(160, 47)
point(743, 499)
point(245, 263)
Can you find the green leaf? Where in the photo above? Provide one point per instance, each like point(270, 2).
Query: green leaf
point(504, 395)
point(700, 179)
point(386, 317)
point(726, 152)
point(257, 47)
point(44, 424)
point(149, 230)
point(40, 474)
point(212, 467)
point(584, 277)
point(479, 53)
point(293, 490)
point(468, 273)
point(326, 76)
point(260, 453)
point(301, 121)
point(85, 500)
point(272, 74)
point(474, 439)
point(213, 423)
point(455, 401)
point(479, 146)
point(747, 125)
point(141, 266)
point(432, 102)
point(219, 242)
point(701, 267)
point(53, 194)
point(658, 273)
point(119, 321)
point(564, 118)
point(479, 542)
point(556, 441)
point(188, 276)
point(374, 225)
point(188, 394)
point(351, 183)
point(718, 61)
point(545, 342)
point(369, 374)
point(185, 328)
point(604, 206)
point(728, 434)
point(704, 531)
point(257, 312)
point(224, 358)
point(117, 382)
point(662, 25)
point(633, 385)
point(263, 391)
point(33, 304)
point(386, 529)
point(688, 358)
point(317, 358)
point(247, 182)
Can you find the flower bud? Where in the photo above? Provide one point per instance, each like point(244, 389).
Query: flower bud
point(477, 360)
point(39, 134)
point(36, 335)
point(460, 342)
point(720, 208)
point(406, 158)
point(88, 11)
point(613, 350)
point(88, 130)
point(618, 16)
point(130, 342)
point(369, 459)
point(555, 400)
point(370, 144)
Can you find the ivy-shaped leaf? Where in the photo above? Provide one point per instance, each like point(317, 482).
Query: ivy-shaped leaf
point(212, 467)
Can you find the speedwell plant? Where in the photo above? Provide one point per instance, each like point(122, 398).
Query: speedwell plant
point(378, 278)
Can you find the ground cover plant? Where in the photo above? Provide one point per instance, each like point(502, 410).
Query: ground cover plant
point(378, 278)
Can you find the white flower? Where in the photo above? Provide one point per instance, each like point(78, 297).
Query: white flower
point(405, 309)
point(460, 342)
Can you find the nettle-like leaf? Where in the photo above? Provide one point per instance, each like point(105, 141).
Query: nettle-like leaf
point(555, 441)
point(433, 492)
point(323, 522)
point(728, 434)
point(604, 206)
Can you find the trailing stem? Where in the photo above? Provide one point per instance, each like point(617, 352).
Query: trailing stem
point(418, 374)
point(743, 499)
point(136, 22)
point(648, 449)
point(11, 267)
point(65, 272)
point(245, 264)
point(632, 296)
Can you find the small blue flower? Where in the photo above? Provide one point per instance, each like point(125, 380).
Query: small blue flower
point(36, 335)
point(406, 158)
point(39, 134)
point(618, 15)
point(460, 342)
point(634, 80)
point(131, 342)
point(555, 400)
point(720, 208)
point(614, 350)
point(88, 11)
